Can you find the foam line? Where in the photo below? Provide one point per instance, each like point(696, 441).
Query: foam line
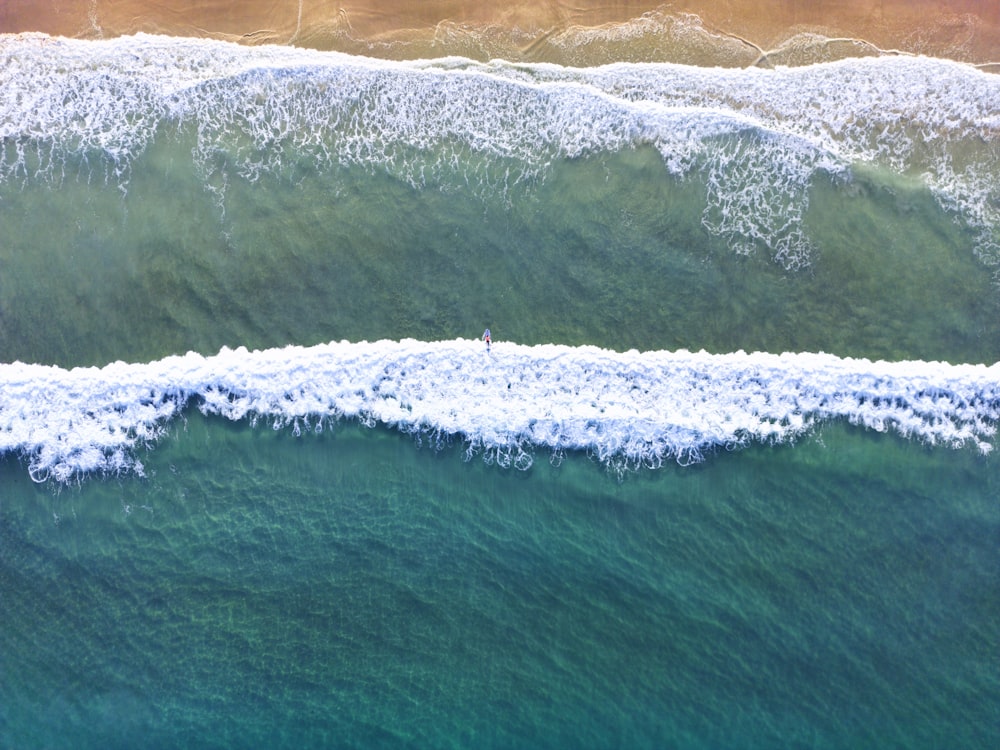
point(627, 409)
point(66, 103)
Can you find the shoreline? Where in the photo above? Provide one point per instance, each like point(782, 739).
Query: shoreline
point(726, 33)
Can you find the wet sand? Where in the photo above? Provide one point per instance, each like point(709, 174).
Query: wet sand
point(703, 32)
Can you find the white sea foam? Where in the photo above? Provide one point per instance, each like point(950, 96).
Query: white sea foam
point(626, 409)
point(758, 136)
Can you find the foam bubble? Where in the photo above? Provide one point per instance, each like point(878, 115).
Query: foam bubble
point(624, 408)
point(759, 136)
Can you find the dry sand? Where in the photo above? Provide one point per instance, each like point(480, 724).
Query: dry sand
point(706, 32)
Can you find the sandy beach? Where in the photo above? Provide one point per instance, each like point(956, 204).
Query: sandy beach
point(703, 32)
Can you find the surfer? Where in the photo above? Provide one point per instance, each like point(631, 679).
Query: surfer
point(488, 338)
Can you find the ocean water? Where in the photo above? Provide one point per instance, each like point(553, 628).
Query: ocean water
point(725, 478)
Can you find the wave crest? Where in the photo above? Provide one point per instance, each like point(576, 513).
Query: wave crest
point(626, 409)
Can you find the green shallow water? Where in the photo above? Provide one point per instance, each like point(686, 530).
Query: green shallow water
point(352, 590)
point(607, 250)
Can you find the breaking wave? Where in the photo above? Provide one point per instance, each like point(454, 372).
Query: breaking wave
point(626, 409)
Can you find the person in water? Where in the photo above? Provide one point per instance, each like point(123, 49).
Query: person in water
point(488, 338)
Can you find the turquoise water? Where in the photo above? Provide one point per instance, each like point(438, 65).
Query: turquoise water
point(352, 590)
point(352, 579)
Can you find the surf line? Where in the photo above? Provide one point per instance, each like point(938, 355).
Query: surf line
point(640, 408)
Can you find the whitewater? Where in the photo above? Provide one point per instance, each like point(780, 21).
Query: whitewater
point(627, 409)
point(71, 109)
